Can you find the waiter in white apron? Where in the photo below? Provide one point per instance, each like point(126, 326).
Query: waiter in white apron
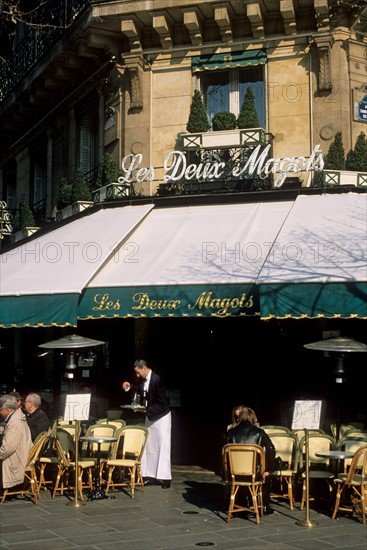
point(156, 460)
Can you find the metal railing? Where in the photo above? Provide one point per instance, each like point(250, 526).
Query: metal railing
point(52, 22)
point(39, 212)
point(90, 177)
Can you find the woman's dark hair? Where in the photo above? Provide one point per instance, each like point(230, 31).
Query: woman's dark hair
point(247, 414)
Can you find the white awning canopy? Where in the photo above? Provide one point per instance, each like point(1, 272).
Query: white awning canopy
point(323, 239)
point(64, 260)
point(318, 263)
point(220, 244)
point(302, 258)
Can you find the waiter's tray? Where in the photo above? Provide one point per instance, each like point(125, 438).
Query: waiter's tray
point(134, 407)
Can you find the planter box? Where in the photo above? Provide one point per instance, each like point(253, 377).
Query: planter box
point(224, 138)
point(23, 233)
point(111, 191)
point(344, 177)
point(72, 209)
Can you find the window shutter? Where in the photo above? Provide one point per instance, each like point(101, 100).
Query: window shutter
point(85, 144)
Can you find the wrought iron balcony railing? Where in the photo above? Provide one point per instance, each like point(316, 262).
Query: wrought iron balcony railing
point(51, 23)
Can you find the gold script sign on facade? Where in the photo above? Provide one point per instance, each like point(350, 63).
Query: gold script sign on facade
point(184, 301)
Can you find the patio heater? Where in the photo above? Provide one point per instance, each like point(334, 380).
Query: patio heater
point(70, 345)
point(338, 347)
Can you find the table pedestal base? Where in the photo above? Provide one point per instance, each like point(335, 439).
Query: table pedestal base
point(306, 523)
point(98, 494)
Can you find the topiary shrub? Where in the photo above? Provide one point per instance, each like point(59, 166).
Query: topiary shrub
point(198, 117)
point(224, 121)
point(24, 217)
point(335, 158)
point(80, 190)
point(64, 194)
point(357, 158)
point(248, 117)
point(108, 171)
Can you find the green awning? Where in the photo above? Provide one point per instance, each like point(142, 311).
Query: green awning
point(212, 300)
point(229, 60)
point(39, 310)
point(345, 300)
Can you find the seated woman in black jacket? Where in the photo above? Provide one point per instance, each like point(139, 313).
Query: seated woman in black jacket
point(247, 430)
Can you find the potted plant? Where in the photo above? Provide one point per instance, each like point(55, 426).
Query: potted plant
point(80, 190)
point(108, 171)
point(224, 121)
point(334, 161)
point(107, 184)
point(24, 223)
point(357, 158)
point(224, 125)
point(79, 199)
point(64, 194)
point(356, 164)
point(197, 124)
point(248, 117)
point(198, 118)
point(248, 121)
point(335, 158)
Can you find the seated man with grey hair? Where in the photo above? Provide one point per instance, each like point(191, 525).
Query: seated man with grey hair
point(15, 443)
point(37, 419)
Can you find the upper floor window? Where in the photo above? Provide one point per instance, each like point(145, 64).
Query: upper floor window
point(38, 179)
point(87, 127)
point(224, 79)
point(38, 182)
point(10, 184)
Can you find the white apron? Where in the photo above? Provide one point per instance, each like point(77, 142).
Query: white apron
point(156, 460)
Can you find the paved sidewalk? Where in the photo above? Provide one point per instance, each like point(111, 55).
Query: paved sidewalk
point(189, 515)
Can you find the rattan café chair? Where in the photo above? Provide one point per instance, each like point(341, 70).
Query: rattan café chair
point(99, 430)
point(287, 448)
point(299, 433)
point(66, 450)
point(244, 466)
point(275, 429)
point(351, 444)
point(70, 427)
point(354, 483)
point(319, 467)
point(117, 422)
point(355, 432)
point(126, 459)
point(343, 429)
point(30, 483)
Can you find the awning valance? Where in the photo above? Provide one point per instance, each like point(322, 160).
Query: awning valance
point(229, 60)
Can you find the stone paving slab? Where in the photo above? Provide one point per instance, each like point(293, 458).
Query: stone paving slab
point(190, 515)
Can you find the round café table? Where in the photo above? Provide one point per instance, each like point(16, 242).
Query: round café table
point(336, 456)
point(98, 493)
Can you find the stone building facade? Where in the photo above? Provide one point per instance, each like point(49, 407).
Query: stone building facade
point(118, 78)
